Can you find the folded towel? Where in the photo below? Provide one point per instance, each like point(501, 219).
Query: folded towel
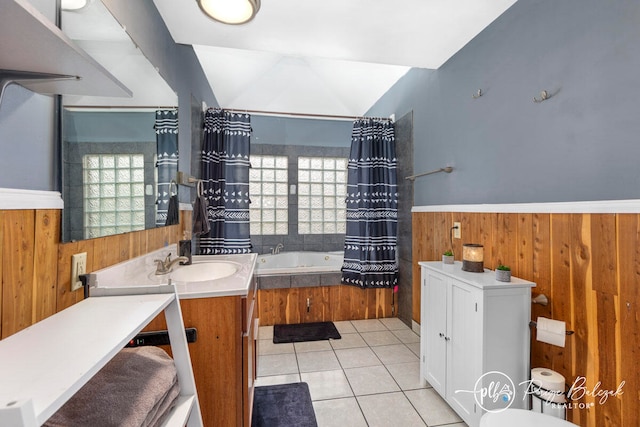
point(161, 410)
point(173, 212)
point(134, 389)
point(200, 217)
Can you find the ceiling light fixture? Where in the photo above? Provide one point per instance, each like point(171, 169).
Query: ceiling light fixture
point(73, 4)
point(232, 12)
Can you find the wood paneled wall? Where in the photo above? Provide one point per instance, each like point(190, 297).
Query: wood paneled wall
point(36, 268)
point(588, 265)
point(326, 303)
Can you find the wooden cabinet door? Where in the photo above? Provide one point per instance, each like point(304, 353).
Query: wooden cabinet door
point(464, 347)
point(434, 319)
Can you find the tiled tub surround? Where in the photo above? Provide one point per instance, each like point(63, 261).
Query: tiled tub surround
point(370, 377)
point(299, 269)
point(303, 280)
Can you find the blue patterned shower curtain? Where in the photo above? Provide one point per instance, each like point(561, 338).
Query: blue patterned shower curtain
point(166, 127)
point(372, 207)
point(225, 175)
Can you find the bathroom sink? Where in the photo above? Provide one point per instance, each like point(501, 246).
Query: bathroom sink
point(204, 271)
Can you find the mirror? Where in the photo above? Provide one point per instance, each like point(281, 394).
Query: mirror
point(114, 177)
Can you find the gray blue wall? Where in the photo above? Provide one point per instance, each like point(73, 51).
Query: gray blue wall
point(28, 159)
point(26, 132)
point(300, 131)
point(111, 126)
point(581, 144)
point(27, 126)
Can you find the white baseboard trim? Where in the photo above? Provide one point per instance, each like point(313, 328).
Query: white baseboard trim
point(415, 327)
point(12, 199)
point(596, 206)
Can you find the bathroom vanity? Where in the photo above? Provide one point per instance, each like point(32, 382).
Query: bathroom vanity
point(224, 313)
point(474, 331)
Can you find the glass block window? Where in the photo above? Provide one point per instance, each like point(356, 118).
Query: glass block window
point(322, 187)
point(113, 193)
point(268, 180)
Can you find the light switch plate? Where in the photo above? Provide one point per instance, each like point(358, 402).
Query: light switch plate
point(78, 267)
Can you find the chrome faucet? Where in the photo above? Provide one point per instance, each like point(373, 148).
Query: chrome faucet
point(165, 267)
point(277, 249)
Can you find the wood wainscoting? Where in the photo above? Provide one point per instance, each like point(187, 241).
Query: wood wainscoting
point(326, 303)
point(588, 265)
point(36, 268)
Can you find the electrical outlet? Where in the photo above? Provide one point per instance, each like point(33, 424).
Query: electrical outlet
point(78, 267)
point(456, 231)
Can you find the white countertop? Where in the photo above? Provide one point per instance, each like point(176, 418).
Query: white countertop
point(486, 280)
point(238, 284)
point(140, 272)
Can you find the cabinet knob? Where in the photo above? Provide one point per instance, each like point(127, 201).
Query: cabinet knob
point(447, 338)
point(441, 335)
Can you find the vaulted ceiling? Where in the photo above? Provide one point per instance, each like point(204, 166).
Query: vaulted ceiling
point(335, 57)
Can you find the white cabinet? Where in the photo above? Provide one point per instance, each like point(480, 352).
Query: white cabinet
point(474, 335)
point(41, 367)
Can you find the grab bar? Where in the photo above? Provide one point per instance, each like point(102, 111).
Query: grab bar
point(446, 169)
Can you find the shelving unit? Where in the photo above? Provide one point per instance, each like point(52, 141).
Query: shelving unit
point(39, 56)
point(44, 365)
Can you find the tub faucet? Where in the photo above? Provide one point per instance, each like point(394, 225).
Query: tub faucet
point(276, 250)
point(165, 267)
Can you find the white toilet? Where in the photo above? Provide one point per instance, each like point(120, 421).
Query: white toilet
point(521, 418)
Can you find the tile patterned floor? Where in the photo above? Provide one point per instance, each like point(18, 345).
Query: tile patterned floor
point(370, 377)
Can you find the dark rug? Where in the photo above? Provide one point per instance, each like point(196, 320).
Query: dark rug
point(283, 405)
point(301, 332)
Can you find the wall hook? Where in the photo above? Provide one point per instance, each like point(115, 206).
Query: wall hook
point(478, 94)
point(541, 299)
point(544, 95)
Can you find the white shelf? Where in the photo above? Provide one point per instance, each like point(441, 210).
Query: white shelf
point(32, 43)
point(44, 365)
point(180, 413)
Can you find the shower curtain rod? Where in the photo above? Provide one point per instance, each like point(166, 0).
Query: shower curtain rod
point(123, 107)
point(309, 115)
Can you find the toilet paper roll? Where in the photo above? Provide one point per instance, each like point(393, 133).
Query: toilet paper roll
point(549, 380)
point(551, 331)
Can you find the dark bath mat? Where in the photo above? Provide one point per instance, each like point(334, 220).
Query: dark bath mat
point(301, 332)
point(283, 405)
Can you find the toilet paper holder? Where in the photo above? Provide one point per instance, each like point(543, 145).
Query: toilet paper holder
point(535, 324)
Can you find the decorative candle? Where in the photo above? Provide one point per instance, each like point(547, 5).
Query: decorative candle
point(473, 257)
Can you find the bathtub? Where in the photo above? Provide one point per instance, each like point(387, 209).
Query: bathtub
point(291, 263)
